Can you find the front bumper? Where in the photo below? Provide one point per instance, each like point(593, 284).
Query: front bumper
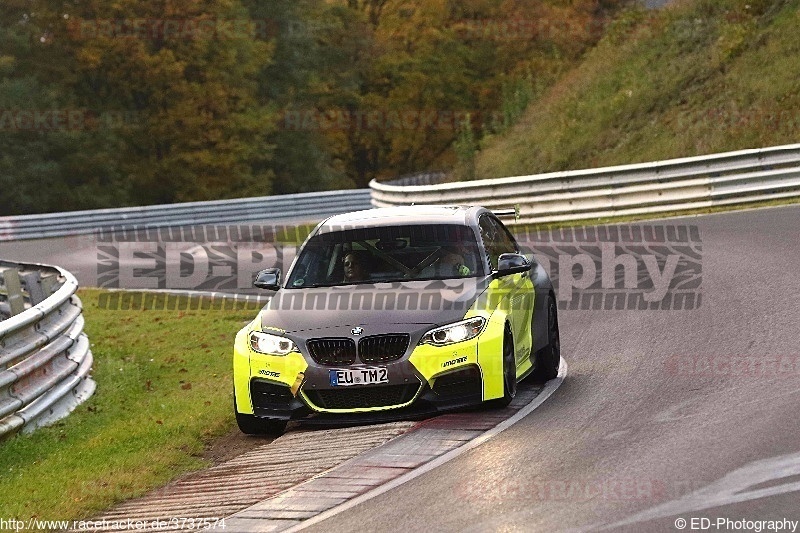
point(426, 380)
point(453, 390)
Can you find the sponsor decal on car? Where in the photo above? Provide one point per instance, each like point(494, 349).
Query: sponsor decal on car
point(454, 362)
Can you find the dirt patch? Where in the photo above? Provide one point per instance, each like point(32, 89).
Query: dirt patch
point(231, 445)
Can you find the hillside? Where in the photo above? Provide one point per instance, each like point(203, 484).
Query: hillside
point(698, 77)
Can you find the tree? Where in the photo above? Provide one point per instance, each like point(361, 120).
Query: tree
point(184, 73)
point(292, 83)
point(54, 153)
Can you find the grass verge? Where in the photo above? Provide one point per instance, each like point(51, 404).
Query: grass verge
point(698, 77)
point(163, 393)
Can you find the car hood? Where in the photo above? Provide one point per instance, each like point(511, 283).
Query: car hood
point(411, 302)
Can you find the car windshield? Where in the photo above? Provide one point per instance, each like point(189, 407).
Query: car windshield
point(385, 254)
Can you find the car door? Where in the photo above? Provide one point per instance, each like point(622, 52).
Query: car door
point(516, 289)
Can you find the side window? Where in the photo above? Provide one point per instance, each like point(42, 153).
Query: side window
point(496, 239)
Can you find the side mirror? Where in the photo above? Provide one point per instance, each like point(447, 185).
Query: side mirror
point(269, 279)
point(512, 264)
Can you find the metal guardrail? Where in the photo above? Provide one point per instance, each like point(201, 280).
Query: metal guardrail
point(649, 188)
point(45, 358)
point(304, 206)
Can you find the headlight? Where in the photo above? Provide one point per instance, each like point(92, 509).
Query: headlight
point(271, 344)
point(452, 333)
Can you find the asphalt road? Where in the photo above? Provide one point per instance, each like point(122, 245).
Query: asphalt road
point(664, 415)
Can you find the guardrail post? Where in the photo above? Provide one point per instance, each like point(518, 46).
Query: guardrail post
point(48, 282)
point(32, 282)
point(16, 302)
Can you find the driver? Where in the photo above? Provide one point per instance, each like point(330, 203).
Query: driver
point(355, 266)
point(453, 261)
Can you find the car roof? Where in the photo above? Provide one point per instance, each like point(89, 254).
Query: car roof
point(402, 216)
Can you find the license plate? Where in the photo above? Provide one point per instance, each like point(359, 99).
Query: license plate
point(359, 376)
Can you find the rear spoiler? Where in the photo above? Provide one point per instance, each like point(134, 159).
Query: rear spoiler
point(509, 212)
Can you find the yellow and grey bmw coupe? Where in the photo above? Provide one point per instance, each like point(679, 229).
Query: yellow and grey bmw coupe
point(395, 312)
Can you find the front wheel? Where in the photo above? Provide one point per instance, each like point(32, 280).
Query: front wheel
point(549, 358)
point(509, 372)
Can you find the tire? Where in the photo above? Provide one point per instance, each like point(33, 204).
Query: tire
point(549, 358)
point(253, 425)
point(509, 372)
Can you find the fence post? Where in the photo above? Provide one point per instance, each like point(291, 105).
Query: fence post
point(16, 301)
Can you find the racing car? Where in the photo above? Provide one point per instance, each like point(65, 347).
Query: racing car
point(392, 312)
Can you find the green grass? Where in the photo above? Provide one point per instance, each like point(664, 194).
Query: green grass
point(163, 393)
point(700, 77)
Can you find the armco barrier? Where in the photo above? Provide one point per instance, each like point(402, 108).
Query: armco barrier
point(303, 206)
point(642, 189)
point(45, 358)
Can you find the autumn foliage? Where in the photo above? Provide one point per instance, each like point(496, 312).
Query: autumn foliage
point(143, 102)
